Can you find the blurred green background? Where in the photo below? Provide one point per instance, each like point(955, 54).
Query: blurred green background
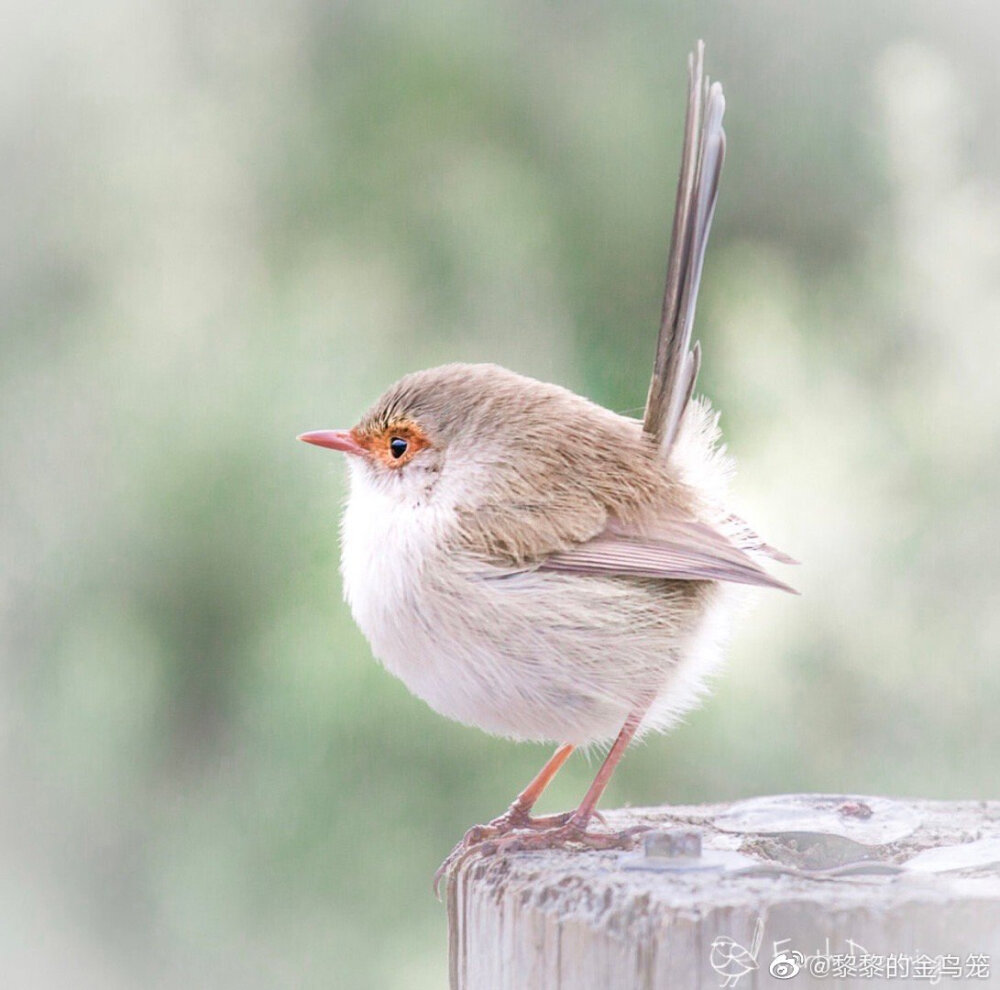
point(223, 224)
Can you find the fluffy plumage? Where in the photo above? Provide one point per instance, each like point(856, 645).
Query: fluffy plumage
point(448, 560)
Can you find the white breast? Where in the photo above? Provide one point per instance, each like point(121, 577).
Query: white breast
point(387, 540)
point(406, 595)
point(419, 609)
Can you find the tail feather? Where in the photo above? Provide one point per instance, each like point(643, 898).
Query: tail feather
point(676, 365)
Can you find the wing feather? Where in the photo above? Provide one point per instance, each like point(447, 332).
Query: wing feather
point(683, 549)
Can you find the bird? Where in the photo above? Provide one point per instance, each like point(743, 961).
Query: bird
point(540, 567)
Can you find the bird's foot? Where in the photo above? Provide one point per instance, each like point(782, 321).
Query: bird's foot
point(512, 833)
point(514, 819)
point(572, 833)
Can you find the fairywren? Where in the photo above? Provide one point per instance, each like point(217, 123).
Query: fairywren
point(538, 566)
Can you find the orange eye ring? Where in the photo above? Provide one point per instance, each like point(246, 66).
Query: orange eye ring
point(395, 444)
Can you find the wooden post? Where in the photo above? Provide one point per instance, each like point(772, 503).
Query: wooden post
point(793, 890)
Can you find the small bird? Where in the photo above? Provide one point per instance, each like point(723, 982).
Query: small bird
point(540, 567)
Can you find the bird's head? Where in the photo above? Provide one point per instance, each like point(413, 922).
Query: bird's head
point(468, 435)
point(440, 427)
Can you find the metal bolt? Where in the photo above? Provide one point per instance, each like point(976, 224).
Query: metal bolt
point(672, 843)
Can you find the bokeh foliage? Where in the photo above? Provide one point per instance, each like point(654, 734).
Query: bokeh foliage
point(228, 223)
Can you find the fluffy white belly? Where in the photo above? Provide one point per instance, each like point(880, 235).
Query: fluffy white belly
point(536, 655)
point(409, 603)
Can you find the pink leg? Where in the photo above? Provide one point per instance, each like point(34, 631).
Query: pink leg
point(525, 801)
point(515, 830)
point(581, 817)
point(517, 816)
point(573, 831)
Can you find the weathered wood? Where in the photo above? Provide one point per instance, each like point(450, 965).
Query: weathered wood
point(872, 885)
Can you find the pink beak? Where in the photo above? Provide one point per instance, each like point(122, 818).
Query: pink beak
point(334, 439)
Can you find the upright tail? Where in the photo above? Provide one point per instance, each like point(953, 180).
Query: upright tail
point(676, 366)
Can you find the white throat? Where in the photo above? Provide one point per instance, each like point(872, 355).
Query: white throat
point(389, 532)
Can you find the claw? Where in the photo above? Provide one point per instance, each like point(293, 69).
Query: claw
point(453, 858)
point(571, 834)
point(514, 819)
point(554, 832)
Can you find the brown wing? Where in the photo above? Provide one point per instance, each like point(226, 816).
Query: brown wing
point(683, 549)
point(676, 365)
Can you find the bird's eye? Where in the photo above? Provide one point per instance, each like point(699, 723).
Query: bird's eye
point(398, 447)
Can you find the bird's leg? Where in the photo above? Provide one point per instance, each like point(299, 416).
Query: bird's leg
point(517, 816)
point(556, 831)
point(581, 817)
point(574, 829)
point(519, 813)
